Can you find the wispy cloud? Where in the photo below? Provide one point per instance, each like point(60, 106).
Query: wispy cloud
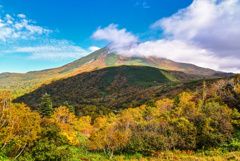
point(53, 50)
point(142, 4)
point(206, 33)
point(18, 34)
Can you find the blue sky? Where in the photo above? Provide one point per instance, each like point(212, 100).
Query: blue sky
point(37, 35)
point(76, 20)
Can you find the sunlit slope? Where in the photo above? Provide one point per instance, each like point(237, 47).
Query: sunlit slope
point(19, 83)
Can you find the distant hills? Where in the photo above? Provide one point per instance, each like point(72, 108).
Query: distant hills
point(21, 83)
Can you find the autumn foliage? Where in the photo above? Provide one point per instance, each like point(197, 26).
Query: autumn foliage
point(202, 119)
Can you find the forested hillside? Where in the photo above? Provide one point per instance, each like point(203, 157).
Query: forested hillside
point(112, 87)
point(199, 124)
point(120, 80)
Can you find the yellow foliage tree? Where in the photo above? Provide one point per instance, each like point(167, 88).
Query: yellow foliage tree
point(164, 105)
point(65, 121)
point(21, 128)
point(84, 125)
point(109, 134)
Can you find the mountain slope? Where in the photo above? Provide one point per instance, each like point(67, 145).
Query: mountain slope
point(21, 83)
point(104, 57)
point(111, 87)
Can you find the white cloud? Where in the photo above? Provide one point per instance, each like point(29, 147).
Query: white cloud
point(207, 33)
point(118, 38)
point(18, 27)
point(211, 24)
point(21, 16)
point(93, 48)
point(181, 51)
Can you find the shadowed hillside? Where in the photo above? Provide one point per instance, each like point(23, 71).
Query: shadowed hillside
point(111, 87)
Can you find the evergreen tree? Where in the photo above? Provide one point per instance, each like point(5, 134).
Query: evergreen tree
point(46, 109)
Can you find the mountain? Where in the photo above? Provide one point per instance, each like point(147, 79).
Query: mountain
point(20, 83)
point(104, 57)
point(119, 86)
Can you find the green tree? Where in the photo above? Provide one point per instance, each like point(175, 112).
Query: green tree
point(46, 109)
point(51, 145)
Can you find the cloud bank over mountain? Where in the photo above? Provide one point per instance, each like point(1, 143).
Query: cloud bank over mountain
point(211, 24)
point(206, 33)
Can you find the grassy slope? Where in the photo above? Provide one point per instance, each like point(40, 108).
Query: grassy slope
point(111, 59)
point(76, 64)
